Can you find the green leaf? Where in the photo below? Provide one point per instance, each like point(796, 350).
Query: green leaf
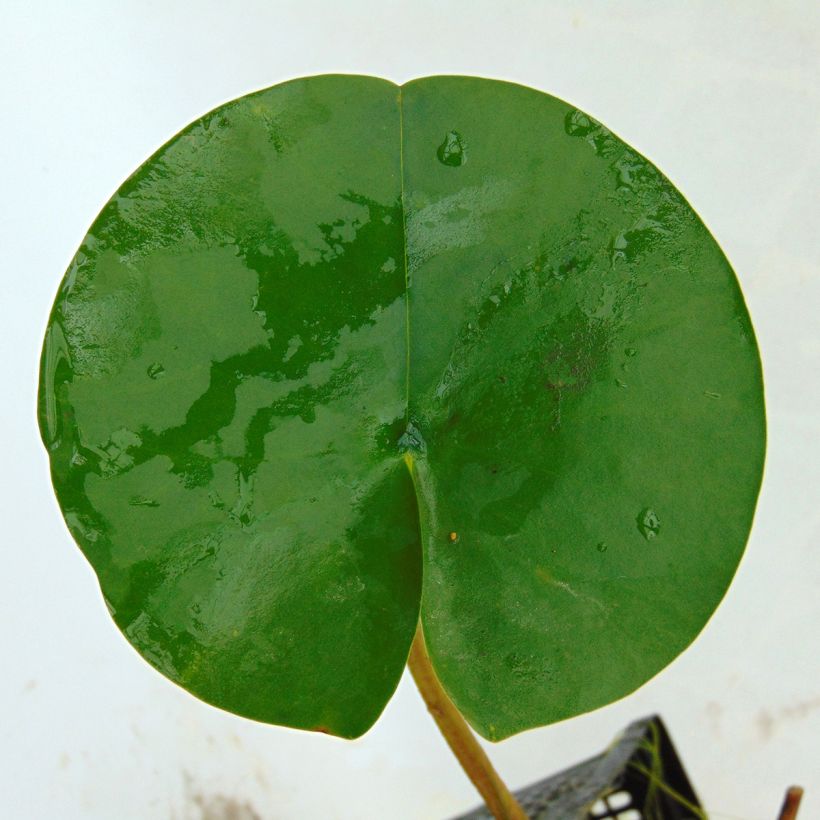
point(586, 379)
point(318, 285)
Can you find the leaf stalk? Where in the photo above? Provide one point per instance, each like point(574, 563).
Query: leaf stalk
point(459, 737)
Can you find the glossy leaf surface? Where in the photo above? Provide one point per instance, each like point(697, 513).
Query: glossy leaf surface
point(316, 286)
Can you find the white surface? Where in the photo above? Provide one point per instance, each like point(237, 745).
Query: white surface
point(723, 96)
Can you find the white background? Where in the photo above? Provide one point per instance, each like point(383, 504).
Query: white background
point(723, 96)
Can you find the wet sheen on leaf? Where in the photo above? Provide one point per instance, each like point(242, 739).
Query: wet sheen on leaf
point(317, 285)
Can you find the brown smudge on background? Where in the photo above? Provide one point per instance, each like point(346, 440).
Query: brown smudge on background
point(767, 722)
point(714, 712)
point(217, 806)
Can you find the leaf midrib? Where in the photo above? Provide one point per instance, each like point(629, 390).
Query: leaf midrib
point(406, 265)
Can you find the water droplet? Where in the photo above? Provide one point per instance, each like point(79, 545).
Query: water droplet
point(155, 370)
point(649, 524)
point(602, 547)
point(578, 124)
point(630, 351)
point(451, 152)
point(143, 501)
point(294, 343)
point(412, 439)
point(78, 459)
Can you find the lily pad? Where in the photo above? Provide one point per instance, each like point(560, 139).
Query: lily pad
point(318, 286)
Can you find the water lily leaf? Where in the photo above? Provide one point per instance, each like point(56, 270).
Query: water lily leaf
point(222, 382)
point(586, 380)
point(316, 286)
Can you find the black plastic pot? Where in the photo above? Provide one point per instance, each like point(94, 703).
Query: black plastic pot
point(638, 777)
